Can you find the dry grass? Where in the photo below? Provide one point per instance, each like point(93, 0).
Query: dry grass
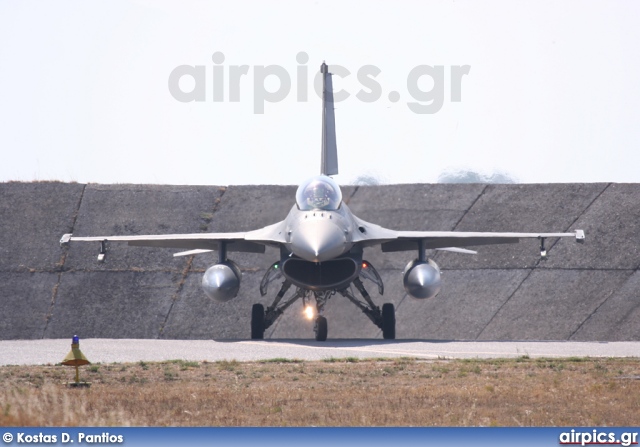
point(348, 392)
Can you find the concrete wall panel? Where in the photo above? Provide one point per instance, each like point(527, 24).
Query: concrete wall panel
point(112, 304)
point(612, 226)
point(469, 299)
point(618, 318)
point(33, 217)
point(583, 292)
point(553, 304)
point(195, 316)
point(25, 303)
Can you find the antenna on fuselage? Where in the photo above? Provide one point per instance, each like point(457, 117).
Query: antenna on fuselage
point(329, 160)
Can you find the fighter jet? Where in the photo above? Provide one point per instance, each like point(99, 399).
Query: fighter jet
point(321, 246)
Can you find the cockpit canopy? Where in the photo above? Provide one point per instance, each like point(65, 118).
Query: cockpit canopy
point(319, 193)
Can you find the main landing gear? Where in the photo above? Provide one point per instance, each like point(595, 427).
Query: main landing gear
point(385, 319)
point(262, 319)
point(257, 322)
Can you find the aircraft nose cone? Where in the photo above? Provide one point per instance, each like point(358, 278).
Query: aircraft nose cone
point(318, 241)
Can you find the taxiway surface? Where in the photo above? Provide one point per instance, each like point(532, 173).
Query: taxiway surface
point(52, 351)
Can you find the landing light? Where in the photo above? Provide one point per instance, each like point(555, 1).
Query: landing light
point(308, 312)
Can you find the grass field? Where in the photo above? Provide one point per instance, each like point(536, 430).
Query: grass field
point(334, 392)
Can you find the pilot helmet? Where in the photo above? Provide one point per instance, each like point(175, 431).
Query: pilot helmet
point(318, 196)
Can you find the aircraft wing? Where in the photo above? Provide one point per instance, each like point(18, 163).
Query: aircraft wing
point(409, 240)
point(249, 242)
point(392, 240)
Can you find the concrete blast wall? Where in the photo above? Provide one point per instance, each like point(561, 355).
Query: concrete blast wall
point(582, 292)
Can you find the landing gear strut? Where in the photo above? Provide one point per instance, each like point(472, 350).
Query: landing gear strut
point(385, 319)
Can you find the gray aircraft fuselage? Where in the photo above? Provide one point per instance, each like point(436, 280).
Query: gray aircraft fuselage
point(319, 252)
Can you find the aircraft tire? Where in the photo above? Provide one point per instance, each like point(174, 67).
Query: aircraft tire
point(388, 321)
point(322, 329)
point(257, 322)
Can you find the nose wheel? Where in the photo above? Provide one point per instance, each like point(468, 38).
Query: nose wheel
point(321, 329)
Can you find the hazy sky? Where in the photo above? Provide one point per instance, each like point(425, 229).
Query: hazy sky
point(552, 91)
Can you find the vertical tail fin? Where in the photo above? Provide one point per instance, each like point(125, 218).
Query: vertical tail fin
point(329, 162)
